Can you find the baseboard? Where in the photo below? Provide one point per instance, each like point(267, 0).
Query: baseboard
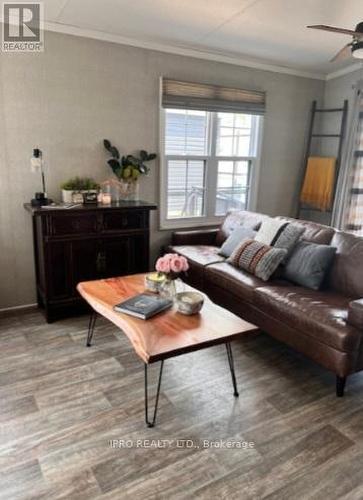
point(8, 311)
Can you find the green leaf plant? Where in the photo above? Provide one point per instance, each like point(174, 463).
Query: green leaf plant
point(80, 184)
point(128, 167)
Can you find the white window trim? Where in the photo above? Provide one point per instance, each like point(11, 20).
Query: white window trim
point(210, 181)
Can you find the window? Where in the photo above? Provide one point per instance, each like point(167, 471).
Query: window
point(208, 166)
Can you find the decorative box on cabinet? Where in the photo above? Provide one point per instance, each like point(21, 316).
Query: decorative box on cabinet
point(85, 243)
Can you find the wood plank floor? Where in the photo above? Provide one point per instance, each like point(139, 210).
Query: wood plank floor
point(61, 405)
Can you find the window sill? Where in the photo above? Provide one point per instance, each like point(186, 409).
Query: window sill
point(174, 224)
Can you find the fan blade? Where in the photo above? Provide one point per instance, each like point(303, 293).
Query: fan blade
point(343, 53)
point(334, 29)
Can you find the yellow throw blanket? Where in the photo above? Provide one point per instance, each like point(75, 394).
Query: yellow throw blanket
point(318, 188)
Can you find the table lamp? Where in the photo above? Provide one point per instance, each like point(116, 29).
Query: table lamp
point(36, 166)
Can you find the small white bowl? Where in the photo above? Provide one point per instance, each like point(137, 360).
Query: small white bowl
point(189, 302)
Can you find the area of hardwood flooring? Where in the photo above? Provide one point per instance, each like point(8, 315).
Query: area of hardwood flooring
point(61, 404)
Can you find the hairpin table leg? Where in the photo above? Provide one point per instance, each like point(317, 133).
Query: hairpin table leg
point(152, 423)
point(91, 327)
point(231, 367)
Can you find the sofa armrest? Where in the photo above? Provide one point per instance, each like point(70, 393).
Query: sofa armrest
point(199, 237)
point(355, 313)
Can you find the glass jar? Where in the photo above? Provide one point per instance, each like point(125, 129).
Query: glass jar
point(168, 289)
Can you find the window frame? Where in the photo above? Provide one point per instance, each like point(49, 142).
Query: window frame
point(211, 175)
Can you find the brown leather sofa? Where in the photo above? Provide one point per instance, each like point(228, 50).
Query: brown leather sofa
point(313, 322)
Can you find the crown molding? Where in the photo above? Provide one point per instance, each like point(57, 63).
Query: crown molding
point(178, 50)
point(344, 71)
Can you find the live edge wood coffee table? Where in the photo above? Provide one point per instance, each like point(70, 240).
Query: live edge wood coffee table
point(166, 335)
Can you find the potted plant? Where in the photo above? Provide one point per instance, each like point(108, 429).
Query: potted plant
point(128, 169)
point(78, 185)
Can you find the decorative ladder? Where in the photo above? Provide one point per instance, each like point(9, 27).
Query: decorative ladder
point(311, 135)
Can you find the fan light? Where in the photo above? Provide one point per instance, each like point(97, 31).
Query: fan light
point(357, 50)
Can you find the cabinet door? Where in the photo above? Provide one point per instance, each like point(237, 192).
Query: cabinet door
point(85, 261)
point(139, 253)
point(115, 257)
point(58, 270)
point(123, 255)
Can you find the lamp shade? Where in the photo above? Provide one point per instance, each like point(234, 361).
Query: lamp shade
point(36, 161)
point(35, 164)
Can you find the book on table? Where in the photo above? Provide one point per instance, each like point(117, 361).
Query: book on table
point(143, 305)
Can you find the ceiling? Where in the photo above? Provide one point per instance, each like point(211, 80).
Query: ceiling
point(271, 32)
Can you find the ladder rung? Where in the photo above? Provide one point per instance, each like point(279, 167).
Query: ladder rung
point(329, 110)
point(325, 135)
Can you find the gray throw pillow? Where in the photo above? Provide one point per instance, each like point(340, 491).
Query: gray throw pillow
point(289, 237)
point(309, 264)
point(235, 238)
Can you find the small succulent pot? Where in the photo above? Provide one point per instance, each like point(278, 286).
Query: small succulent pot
point(67, 195)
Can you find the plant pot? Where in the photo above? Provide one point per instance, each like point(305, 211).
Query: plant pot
point(67, 196)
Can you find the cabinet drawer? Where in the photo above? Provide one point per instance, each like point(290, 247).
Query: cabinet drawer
point(118, 221)
point(73, 224)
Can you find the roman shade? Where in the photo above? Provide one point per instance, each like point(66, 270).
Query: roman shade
point(199, 96)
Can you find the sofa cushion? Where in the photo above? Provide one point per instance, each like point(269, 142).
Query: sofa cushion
point(321, 315)
point(355, 314)
point(308, 264)
point(201, 255)
point(237, 218)
point(235, 281)
point(314, 233)
point(346, 274)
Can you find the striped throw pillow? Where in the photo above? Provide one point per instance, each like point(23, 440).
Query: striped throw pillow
point(257, 258)
point(279, 234)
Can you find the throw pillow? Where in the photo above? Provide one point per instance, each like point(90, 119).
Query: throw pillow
point(280, 234)
point(270, 230)
point(309, 264)
point(257, 258)
point(289, 236)
point(236, 237)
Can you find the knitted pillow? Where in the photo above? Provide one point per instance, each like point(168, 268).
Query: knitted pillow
point(257, 258)
point(280, 234)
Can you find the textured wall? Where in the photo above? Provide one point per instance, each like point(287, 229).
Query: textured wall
point(336, 91)
point(79, 91)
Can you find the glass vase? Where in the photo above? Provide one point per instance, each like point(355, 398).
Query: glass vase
point(168, 289)
point(129, 190)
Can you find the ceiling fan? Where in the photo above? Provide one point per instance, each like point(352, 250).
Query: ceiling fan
point(354, 48)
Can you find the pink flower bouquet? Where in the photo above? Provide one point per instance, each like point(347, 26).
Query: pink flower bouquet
point(172, 264)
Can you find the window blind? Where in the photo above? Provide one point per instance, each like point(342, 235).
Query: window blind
point(186, 95)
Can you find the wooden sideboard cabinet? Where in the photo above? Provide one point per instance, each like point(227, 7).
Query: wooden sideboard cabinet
point(86, 243)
